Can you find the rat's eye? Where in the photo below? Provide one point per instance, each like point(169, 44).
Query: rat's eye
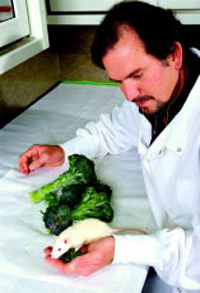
point(65, 241)
point(59, 249)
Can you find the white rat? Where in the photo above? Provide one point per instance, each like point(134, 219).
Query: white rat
point(84, 232)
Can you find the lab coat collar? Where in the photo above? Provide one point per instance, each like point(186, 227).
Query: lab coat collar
point(174, 136)
point(182, 123)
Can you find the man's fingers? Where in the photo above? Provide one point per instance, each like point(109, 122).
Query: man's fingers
point(31, 160)
point(57, 263)
point(84, 249)
point(37, 163)
point(86, 264)
point(98, 254)
point(48, 250)
point(41, 155)
point(26, 158)
point(24, 165)
point(82, 265)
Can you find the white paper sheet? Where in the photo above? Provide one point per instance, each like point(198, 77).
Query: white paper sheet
point(54, 119)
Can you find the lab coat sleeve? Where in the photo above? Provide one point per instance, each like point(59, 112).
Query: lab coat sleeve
point(175, 254)
point(113, 133)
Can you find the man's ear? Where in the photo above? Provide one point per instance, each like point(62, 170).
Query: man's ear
point(177, 55)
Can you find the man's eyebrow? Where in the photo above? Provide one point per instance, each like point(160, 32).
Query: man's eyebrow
point(134, 72)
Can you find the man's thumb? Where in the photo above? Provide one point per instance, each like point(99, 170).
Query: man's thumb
point(37, 163)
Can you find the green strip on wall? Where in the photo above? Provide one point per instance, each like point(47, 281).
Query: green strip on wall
point(103, 83)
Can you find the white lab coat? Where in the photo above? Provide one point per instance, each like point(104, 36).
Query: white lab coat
point(171, 170)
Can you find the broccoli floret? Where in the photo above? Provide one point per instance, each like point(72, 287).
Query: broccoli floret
point(99, 187)
point(93, 205)
point(57, 218)
point(71, 195)
point(81, 171)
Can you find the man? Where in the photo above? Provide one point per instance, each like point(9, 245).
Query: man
point(141, 47)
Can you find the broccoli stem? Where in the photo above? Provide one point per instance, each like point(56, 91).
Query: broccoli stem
point(63, 180)
point(81, 171)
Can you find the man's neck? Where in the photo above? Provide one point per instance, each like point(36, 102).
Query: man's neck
point(187, 78)
point(179, 85)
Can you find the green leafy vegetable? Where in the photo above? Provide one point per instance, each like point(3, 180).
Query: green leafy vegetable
point(93, 205)
point(57, 218)
point(81, 171)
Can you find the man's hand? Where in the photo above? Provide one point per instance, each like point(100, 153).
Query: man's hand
point(41, 156)
point(98, 254)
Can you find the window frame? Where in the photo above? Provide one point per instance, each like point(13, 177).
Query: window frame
point(79, 12)
point(17, 27)
point(36, 42)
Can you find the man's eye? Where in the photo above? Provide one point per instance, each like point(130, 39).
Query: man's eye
point(139, 75)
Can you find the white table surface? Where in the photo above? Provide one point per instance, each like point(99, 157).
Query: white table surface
point(53, 120)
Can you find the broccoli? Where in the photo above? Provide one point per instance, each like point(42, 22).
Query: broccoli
point(99, 187)
point(81, 171)
point(74, 204)
point(71, 195)
point(93, 205)
point(74, 195)
point(57, 218)
point(51, 199)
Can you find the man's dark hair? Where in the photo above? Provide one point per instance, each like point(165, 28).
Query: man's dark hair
point(156, 27)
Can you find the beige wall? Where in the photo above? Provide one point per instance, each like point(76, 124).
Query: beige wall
point(73, 45)
point(25, 83)
point(68, 58)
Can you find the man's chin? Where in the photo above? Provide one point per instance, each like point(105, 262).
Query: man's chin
point(152, 110)
point(147, 111)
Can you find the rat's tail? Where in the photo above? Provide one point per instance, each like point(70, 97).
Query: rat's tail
point(128, 230)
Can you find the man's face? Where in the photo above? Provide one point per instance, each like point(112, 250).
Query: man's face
point(143, 78)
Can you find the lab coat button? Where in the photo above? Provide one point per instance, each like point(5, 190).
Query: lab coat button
point(179, 290)
point(160, 152)
point(179, 149)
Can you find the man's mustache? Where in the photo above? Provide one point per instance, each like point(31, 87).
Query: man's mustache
point(143, 99)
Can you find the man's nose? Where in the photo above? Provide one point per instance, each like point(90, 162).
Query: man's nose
point(130, 89)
